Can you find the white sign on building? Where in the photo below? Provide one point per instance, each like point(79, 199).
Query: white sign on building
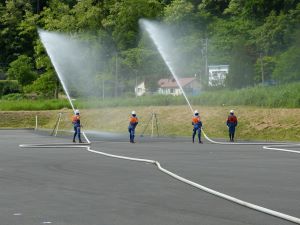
point(217, 75)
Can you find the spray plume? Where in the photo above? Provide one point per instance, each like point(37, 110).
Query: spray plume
point(166, 46)
point(78, 63)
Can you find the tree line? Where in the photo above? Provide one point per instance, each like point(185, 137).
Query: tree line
point(259, 40)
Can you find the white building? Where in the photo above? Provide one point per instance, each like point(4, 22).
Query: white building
point(140, 89)
point(169, 86)
point(217, 75)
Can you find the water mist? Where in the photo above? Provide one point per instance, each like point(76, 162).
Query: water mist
point(77, 63)
point(165, 45)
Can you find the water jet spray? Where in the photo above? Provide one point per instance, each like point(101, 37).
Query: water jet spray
point(162, 41)
point(76, 64)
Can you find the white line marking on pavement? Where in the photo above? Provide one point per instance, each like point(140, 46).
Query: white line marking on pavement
point(274, 148)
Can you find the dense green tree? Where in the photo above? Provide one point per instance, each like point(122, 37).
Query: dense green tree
point(213, 8)
point(241, 67)
point(287, 66)
point(264, 68)
point(189, 31)
point(229, 45)
point(123, 19)
point(143, 64)
point(47, 83)
point(88, 15)
point(274, 34)
point(258, 39)
point(13, 40)
point(57, 17)
point(179, 11)
point(22, 70)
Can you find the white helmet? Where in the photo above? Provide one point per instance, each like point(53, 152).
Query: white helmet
point(133, 113)
point(77, 111)
point(196, 112)
point(231, 111)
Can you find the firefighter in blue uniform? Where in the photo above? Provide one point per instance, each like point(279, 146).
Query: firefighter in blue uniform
point(196, 122)
point(76, 124)
point(133, 122)
point(231, 124)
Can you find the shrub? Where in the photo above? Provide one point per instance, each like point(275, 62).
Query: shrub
point(8, 87)
point(22, 69)
point(14, 96)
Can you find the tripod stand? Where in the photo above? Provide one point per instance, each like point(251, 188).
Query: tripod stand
point(153, 119)
point(55, 128)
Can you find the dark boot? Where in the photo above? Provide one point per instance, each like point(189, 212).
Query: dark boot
point(199, 138)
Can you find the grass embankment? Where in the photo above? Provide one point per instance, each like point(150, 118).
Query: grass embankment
point(33, 105)
point(254, 123)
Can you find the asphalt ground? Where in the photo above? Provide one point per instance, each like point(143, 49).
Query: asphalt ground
point(71, 186)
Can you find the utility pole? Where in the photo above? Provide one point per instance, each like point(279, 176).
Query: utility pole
point(116, 78)
point(262, 69)
point(204, 53)
point(102, 89)
point(37, 6)
point(206, 63)
point(261, 62)
point(136, 83)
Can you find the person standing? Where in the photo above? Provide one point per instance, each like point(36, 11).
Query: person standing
point(231, 124)
point(196, 122)
point(76, 124)
point(133, 122)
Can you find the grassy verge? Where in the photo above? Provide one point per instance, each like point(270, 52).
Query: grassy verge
point(33, 105)
point(287, 96)
point(254, 123)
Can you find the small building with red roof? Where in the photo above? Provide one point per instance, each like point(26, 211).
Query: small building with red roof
point(190, 86)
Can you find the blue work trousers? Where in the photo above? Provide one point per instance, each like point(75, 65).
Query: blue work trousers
point(131, 131)
point(195, 130)
point(231, 129)
point(77, 132)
